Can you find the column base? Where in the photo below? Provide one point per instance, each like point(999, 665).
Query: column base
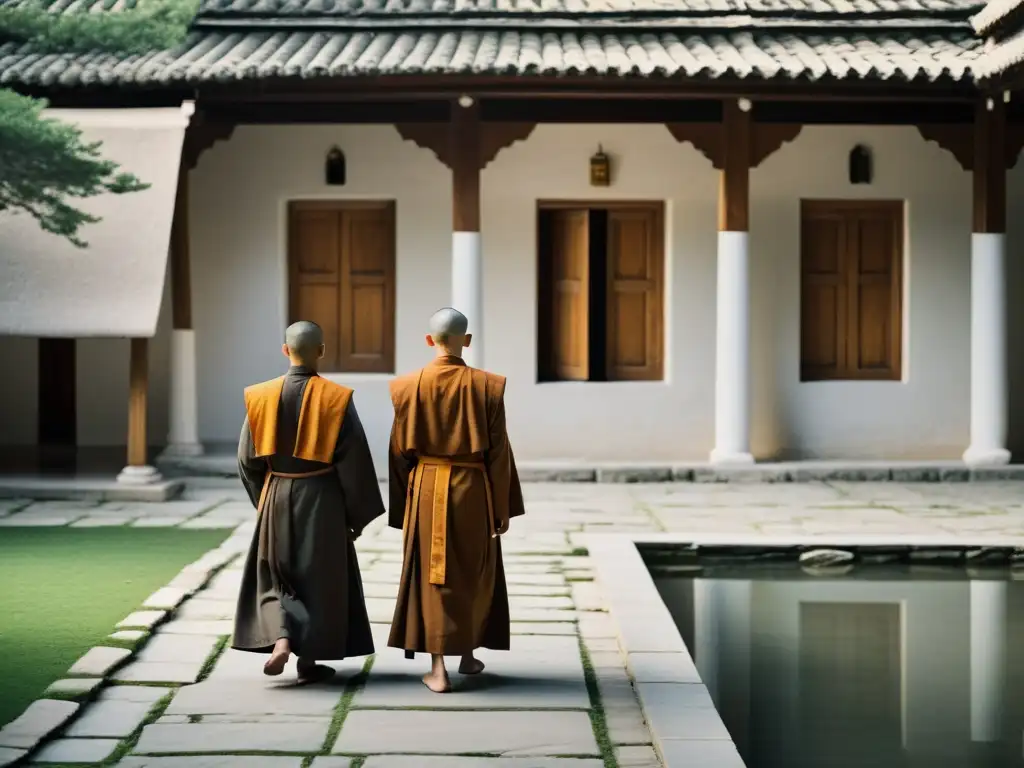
point(182, 451)
point(139, 475)
point(986, 457)
point(721, 458)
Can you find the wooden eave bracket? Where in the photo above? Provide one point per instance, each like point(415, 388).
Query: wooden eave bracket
point(200, 136)
point(958, 140)
point(494, 137)
point(707, 138)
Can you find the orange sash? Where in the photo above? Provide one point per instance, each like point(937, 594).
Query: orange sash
point(439, 527)
point(320, 417)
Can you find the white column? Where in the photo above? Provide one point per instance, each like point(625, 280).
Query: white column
point(988, 658)
point(732, 352)
point(988, 351)
point(468, 290)
point(183, 435)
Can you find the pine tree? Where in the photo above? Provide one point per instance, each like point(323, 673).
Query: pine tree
point(44, 164)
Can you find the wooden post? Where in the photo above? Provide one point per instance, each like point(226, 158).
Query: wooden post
point(183, 433)
point(138, 390)
point(467, 257)
point(988, 289)
point(732, 338)
point(138, 472)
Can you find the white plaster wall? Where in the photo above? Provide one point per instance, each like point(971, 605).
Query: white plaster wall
point(238, 218)
point(239, 195)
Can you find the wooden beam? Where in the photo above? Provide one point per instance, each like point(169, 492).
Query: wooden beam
point(709, 139)
point(181, 280)
point(464, 154)
point(436, 137)
point(137, 394)
point(734, 186)
point(989, 167)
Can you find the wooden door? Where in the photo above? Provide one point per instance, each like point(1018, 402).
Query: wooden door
point(570, 289)
point(851, 289)
point(315, 279)
point(342, 277)
point(634, 315)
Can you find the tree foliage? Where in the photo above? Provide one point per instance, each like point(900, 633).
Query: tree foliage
point(44, 164)
point(150, 25)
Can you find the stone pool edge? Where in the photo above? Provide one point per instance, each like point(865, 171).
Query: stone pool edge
point(685, 725)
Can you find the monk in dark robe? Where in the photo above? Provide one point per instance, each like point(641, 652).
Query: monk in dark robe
point(454, 488)
point(305, 463)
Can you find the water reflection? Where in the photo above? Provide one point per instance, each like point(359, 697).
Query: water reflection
point(814, 672)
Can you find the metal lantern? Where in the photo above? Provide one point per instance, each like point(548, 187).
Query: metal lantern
point(600, 169)
point(334, 168)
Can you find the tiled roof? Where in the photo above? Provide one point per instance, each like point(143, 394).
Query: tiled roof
point(808, 40)
point(993, 13)
point(228, 57)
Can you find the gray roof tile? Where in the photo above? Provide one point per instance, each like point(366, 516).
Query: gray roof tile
point(239, 56)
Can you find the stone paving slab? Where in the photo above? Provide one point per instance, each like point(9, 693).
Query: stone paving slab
point(218, 697)
point(41, 718)
point(110, 718)
point(159, 672)
point(432, 732)
point(97, 661)
point(541, 672)
point(234, 737)
point(211, 761)
point(76, 751)
point(425, 761)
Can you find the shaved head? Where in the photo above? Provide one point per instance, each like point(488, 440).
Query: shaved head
point(304, 340)
point(448, 322)
point(448, 331)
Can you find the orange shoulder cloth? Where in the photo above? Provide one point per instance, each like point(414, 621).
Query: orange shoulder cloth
point(323, 411)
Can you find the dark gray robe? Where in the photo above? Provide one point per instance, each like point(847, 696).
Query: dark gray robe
point(314, 521)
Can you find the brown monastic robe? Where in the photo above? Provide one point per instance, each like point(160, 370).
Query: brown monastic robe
point(302, 423)
point(453, 482)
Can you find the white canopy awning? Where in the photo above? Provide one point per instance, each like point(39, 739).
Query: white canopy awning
point(49, 287)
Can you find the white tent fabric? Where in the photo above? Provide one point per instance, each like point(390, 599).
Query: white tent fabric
point(49, 287)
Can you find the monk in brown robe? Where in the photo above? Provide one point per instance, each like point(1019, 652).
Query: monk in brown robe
point(305, 463)
point(454, 488)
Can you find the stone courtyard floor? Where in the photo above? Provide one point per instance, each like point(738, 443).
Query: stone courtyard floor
point(561, 697)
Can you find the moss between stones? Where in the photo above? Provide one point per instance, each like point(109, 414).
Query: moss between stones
point(597, 715)
point(215, 654)
point(345, 704)
point(129, 743)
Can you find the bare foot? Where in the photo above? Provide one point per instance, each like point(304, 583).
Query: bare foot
point(470, 665)
point(278, 659)
point(310, 672)
point(438, 683)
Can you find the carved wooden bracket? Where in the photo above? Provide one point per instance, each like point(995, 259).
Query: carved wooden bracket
point(494, 137)
point(767, 139)
point(958, 140)
point(200, 136)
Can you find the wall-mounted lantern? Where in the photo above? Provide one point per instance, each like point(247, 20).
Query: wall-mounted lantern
point(861, 171)
point(334, 168)
point(600, 169)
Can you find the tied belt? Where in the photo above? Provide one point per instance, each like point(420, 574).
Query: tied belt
point(271, 540)
point(439, 527)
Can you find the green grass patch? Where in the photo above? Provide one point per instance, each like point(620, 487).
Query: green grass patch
point(66, 588)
